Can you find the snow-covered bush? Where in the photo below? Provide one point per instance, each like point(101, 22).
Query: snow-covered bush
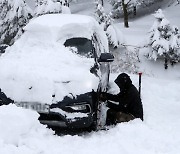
point(52, 6)
point(14, 15)
point(125, 60)
point(164, 40)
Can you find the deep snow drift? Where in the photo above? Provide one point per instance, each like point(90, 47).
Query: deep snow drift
point(20, 132)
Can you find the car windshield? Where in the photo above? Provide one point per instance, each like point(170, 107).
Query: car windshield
point(81, 46)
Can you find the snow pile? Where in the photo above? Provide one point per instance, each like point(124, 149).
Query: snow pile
point(17, 124)
point(39, 69)
point(38, 65)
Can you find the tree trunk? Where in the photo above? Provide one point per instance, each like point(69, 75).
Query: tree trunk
point(166, 62)
point(125, 14)
point(102, 2)
point(134, 10)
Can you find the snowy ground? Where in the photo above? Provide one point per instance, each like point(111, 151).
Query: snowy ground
point(21, 133)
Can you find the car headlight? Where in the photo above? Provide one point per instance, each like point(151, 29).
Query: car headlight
point(78, 107)
point(81, 108)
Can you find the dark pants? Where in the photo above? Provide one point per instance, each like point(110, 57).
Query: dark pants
point(114, 117)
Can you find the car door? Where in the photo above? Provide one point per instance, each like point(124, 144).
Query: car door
point(104, 67)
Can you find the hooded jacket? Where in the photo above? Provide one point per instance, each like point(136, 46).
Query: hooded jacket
point(128, 99)
point(4, 100)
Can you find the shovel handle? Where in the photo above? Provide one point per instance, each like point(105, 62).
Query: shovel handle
point(140, 74)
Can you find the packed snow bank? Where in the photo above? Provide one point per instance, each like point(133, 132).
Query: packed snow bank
point(17, 124)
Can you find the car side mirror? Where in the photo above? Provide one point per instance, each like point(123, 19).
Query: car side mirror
point(106, 57)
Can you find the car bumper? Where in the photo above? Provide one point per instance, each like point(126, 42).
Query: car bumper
point(58, 120)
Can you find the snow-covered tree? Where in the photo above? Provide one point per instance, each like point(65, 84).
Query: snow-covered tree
point(14, 15)
point(116, 9)
point(163, 40)
point(114, 35)
point(103, 19)
point(174, 52)
point(124, 7)
point(100, 14)
point(159, 36)
point(47, 7)
point(65, 6)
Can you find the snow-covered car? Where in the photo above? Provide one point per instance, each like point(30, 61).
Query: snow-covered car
point(56, 68)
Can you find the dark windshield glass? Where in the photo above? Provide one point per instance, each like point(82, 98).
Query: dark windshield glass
point(81, 46)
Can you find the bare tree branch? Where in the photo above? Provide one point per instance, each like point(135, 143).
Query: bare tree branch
point(128, 2)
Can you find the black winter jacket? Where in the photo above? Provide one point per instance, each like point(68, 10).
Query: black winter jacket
point(129, 101)
point(4, 100)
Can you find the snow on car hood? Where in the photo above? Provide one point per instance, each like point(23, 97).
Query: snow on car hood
point(37, 67)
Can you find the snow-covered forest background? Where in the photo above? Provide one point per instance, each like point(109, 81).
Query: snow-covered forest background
point(144, 36)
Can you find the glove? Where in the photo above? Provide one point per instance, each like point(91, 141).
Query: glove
point(103, 97)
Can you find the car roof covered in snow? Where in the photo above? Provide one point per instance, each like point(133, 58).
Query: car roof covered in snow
point(64, 26)
point(60, 20)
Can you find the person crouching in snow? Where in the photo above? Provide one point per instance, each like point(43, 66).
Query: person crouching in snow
point(129, 102)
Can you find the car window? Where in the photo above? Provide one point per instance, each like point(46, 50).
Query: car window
point(81, 46)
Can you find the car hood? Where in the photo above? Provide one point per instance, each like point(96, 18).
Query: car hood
point(35, 68)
